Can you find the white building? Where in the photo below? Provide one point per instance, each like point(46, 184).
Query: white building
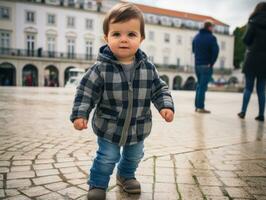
point(40, 40)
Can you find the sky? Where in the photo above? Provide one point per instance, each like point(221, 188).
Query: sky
point(235, 13)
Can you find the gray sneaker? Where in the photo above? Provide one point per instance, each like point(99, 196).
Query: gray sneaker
point(96, 194)
point(131, 186)
point(202, 110)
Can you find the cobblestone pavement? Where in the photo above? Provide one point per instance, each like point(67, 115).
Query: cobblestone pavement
point(216, 156)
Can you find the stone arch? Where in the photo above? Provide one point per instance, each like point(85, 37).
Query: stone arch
point(29, 75)
point(51, 76)
point(165, 78)
point(190, 83)
point(66, 74)
point(233, 80)
point(7, 74)
point(177, 82)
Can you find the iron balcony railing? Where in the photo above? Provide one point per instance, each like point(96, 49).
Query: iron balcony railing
point(39, 53)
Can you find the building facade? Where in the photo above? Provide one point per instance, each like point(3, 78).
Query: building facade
point(42, 39)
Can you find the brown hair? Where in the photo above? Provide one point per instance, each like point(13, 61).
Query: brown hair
point(260, 7)
point(123, 12)
point(208, 24)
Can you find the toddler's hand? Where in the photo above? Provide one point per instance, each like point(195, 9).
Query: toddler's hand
point(80, 124)
point(167, 114)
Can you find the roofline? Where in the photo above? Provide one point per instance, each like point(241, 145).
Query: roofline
point(178, 14)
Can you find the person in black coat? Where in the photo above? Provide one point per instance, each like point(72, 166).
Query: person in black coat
point(254, 66)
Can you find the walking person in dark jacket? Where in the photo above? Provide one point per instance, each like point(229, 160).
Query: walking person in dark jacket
point(122, 85)
point(255, 60)
point(205, 49)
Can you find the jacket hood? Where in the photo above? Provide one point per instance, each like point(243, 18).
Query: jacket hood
point(259, 19)
point(106, 55)
point(203, 30)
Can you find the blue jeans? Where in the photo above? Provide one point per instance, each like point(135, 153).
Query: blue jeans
point(260, 85)
point(203, 73)
point(108, 155)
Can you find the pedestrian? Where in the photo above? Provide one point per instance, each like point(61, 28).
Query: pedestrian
point(121, 84)
point(254, 66)
point(205, 49)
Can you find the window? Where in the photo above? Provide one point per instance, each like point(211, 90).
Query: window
point(151, 35)
point(165, 20)
point(30, 16)
point(167, 37)
point(4, 39)
point(179, 39)
point(70, 47)
point(177, 22)
point(70, 22)
point(88, 49)
point(189, 23)
point(165, 60)
point(81, 4)
point(30, 42)
point(89, 4)
point(71, 3)
point(51, 46)
point(89, 24)
point(51, 19)
point(223, 46)
point(4, 13)
point(222, 62)
point(178, 62)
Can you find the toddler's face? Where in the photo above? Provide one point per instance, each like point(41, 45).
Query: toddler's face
point(124, 39)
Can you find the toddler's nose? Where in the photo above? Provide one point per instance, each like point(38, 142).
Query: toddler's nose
point(124, 39)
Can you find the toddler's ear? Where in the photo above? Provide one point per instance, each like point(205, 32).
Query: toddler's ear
point(105, 38)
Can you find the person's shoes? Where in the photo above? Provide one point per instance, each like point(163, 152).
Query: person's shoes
point(131, 186)
point(202, 110)
point(96, 194)
point(241, 115)
point(260, 118)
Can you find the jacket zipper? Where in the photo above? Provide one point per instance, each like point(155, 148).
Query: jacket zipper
point(124, 133)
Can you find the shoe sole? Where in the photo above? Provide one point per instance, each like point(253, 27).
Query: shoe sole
point(132, 191)
point(202, 111)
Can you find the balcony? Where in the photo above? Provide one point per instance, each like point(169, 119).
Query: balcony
point(39, 53)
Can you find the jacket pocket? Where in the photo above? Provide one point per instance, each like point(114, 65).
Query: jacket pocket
point(144, 117)
point(143, 126)
point(105, 124)
point(106, 116)
point(108, 113)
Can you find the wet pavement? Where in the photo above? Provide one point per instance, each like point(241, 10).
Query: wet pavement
point(198, 156)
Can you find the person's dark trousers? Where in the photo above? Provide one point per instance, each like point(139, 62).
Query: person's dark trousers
point(260, 86)
point(203, 73)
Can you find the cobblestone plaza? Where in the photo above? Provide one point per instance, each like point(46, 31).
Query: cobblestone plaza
point(197, 156)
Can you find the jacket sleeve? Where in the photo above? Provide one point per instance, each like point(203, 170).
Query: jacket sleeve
point(161, 96)
point(214, 51)
point(88, 94)
point(249, 35)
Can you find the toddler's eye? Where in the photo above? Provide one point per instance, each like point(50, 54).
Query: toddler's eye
point(116, 34)
point(132, 34)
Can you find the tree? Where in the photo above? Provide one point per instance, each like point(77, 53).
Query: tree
point(239, 46)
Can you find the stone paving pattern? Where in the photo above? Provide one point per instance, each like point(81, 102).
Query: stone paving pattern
point(210, 157)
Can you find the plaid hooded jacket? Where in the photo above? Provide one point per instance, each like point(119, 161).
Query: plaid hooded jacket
point(122, 115)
